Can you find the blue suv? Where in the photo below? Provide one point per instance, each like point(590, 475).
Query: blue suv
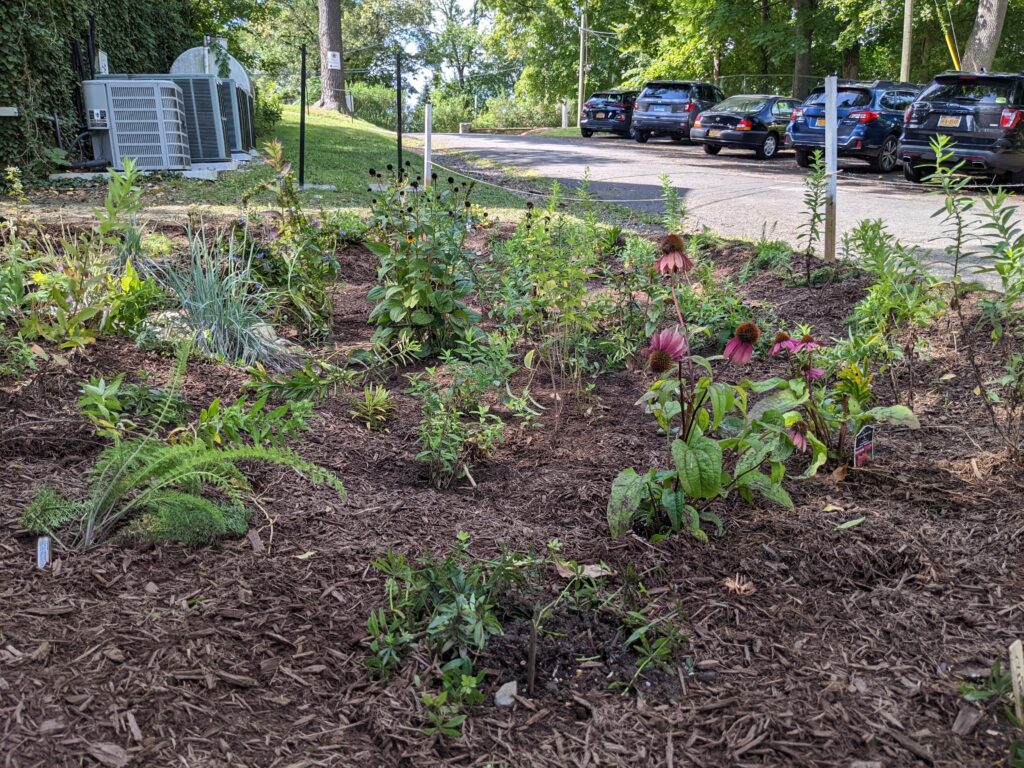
point(870, 121)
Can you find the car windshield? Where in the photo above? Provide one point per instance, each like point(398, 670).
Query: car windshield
point(845, 97)
point(973, 91)
point(606, 98)
point(741, 104)
point(670, 92)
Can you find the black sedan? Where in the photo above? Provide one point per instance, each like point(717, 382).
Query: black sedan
point(756, 122)
point(610, 111)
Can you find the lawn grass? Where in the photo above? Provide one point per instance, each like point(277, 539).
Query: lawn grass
point(567, 133)
point(340, 151)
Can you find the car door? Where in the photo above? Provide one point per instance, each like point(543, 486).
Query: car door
point(781, 110)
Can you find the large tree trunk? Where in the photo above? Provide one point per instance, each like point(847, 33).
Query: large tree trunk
point(802, 9)
point(984, 39)
point(766, 13)
point(851, 62)
point(332, 95)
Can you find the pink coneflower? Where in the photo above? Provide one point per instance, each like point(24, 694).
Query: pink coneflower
point(674, 262)
point(740, 348)
point(674, 258)
point(805, 343)
point(667, 347)
point(798, 434)
point(813, 373)
point(783, 343)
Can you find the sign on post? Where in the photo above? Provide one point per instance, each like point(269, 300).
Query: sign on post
point(831, 165)
point(334, 60)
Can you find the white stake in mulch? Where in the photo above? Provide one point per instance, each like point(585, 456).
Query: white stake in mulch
point(1017, 676)
point(428, 130)
point(831, 165)
point(42, 552)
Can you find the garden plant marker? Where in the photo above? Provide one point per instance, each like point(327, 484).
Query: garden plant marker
point(864, 446)
point(42, 552)
point(1017, 676)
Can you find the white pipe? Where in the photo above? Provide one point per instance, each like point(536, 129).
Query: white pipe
point(428, 129)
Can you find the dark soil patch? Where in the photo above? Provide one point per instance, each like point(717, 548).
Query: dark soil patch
point(250, 652)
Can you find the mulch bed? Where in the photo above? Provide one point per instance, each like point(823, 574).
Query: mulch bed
point(250, 652)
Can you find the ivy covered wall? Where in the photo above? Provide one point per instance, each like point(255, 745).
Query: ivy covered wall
point(35, 59)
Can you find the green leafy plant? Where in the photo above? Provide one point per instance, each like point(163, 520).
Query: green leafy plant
point(147, 488)
point(117, 222)
point(16, 357)
point(423, 276)
point(100, 404)
point(450, 440)
point(374, 408)
point(815, 186)
point(240, 422)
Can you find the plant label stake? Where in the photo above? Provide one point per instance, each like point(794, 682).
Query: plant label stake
point(1017, 676)
point(864, 446)
point(42, 552)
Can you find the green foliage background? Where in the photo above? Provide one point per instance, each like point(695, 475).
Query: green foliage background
point(35, 58)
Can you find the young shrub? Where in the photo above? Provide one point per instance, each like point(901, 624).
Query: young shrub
point(423, 276)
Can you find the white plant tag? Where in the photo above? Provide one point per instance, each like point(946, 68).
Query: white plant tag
point(42, 552)
point(1017, 676)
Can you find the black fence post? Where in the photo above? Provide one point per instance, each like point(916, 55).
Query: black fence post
point(302, 120)
point(398, 108)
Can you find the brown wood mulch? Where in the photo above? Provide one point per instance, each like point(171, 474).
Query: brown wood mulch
point(250, 652)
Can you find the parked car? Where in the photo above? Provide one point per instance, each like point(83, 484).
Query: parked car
point(981, 113)
point(608, 111)
point(870, 121)
point(668, 108)
point(756, 122)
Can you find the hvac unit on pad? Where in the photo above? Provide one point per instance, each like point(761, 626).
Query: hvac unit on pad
point(140, 119)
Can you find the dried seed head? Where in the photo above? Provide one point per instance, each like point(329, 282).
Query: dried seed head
point(748, 333)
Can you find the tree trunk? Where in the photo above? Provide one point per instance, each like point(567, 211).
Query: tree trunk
point(984, 39)
point(766, 13)
point(332, 94)
point(802, 61)
point(851, 62)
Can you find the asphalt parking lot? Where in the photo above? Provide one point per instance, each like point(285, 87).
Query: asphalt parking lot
point(732, 193)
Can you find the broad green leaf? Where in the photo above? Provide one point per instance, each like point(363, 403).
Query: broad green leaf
point(699, 464)
point(850, 523)
point(892, 414)
point(628, 490)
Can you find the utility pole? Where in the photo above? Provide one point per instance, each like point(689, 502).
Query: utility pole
point(908, 28)
point(831, 163)
point(581, 94)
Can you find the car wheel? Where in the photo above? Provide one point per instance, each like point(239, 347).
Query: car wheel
point(1012, 177)
point(911, 172)
point(642, 136)
point(888, 156)
point(711, 149)
point(586, 132)
point(769, 147)
point(803, 158)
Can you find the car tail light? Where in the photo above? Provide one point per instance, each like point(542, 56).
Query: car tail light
point(636, 104)
point(689, 106)
point(696, 123)
point(908, 114)
point(797, 113)
point(1009, 119)
point(864, 116)
point(744, 124)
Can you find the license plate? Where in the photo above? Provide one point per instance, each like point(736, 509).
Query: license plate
point(950, 121)
point(712, 134)
point(819, 122)
point(659, 108)
point(599, 115)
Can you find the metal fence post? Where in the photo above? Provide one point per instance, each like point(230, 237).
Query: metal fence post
point(302, 119)
point(831, 166)
point(428, 130)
